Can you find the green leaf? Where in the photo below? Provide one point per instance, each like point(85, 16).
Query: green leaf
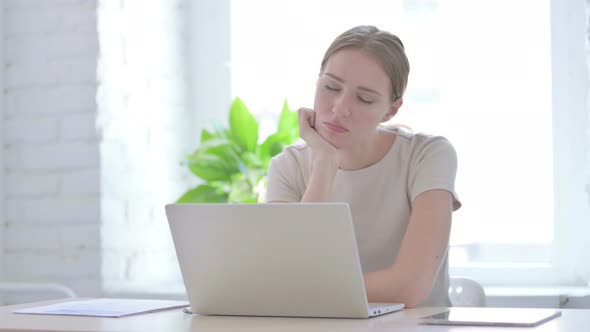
point(203, 194)
point(206, 136)
point(243, 125)
point(251, 160)
point(241, 191)
point(273, 145)
point(288, 121)
point(221, 132)
point(224, 148)
point(209, 167)
point(215, 160)
point(255, 176)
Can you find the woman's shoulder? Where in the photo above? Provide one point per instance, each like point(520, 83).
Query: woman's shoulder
point(412, 141)
point(299, 152)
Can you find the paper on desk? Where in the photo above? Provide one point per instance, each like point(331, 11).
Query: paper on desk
point(104, 307)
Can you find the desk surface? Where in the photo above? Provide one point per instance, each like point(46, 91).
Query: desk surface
point(176, 320)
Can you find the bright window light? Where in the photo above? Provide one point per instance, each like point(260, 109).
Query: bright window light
point(480, 75)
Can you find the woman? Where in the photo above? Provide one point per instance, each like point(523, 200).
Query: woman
point(399, 185)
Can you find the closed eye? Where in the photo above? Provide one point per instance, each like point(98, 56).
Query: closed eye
point(364, 101)
point(331, 88)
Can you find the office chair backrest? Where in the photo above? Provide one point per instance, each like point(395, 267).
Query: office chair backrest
point(466, 292)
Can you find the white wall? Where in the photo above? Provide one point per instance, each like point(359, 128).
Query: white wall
point(51, 160)
point(588, 95)
point(1, 140)
point(571, 133)
point(209, 53)
point(146, 132)
point(95, 223)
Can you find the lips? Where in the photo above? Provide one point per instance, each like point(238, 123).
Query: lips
point(335, 128)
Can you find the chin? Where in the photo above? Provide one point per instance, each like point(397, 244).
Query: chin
point(336, 140)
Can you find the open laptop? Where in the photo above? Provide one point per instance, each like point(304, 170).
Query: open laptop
point(279, 259)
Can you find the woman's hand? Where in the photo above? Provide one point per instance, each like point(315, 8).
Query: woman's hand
point(322, 149)
point(325, 159)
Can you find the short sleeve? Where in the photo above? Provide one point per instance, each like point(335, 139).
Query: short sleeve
point(282, 179)
point(433, 165)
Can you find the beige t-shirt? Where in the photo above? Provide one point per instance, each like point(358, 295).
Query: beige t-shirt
point(380, 196)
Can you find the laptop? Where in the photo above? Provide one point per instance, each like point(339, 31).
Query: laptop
point(279, 259)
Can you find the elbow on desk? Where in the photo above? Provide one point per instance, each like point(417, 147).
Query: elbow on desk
point(413, 300)
point(410, 296)
point(387, 286)
point(409, 301)
point(418, 293)
point(415, 293)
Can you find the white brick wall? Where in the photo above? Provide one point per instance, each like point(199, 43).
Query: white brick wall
point(146, 131)
point(51, 216)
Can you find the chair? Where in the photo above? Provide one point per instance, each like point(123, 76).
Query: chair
point(465, 292)
point(20, 292)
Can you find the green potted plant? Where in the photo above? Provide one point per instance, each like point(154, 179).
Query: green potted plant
point(231, 162)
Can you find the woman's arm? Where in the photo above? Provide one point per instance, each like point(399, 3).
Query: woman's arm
point(320, 182)
point(411, 277)
point(325, 163)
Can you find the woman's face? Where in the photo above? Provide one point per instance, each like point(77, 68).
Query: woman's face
point(353, 95)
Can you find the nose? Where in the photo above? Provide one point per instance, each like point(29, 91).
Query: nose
point(341, 106)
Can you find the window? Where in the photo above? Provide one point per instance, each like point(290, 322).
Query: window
point(482, 74)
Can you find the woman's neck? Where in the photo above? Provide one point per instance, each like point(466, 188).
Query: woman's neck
point(366, 153)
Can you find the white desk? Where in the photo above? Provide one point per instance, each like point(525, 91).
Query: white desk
point(175, 320)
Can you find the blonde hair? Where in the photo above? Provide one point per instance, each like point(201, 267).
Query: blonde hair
point(386, 47)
